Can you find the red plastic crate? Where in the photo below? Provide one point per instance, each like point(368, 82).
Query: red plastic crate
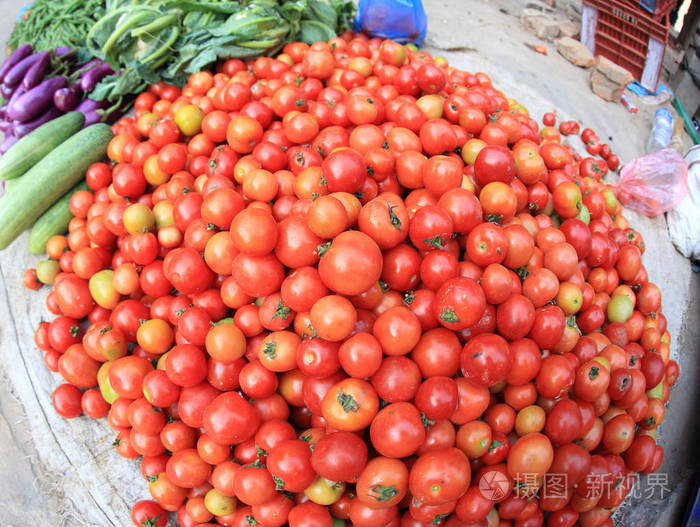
point(658, 9)
point(627, 35)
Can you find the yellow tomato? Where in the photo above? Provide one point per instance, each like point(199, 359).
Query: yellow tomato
point(163, 211)
point(138, 218)
point(108, 393)
point(102, 289)
point(189, 119)
point(471, 149)
point(219, 504)
point(324, 492)
point(152, 171)
point(47, 270)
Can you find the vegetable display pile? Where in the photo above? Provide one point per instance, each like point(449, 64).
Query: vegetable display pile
point(353, 285)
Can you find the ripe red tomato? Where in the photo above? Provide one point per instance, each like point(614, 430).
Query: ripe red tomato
point(73, 297)
point(486, 359)
point(339, 456)
point(187, 271)
point(289, 462)
point(487, 244)
point(397, 430)
point(351, 264)
point(459, 303)
point(126, 375)
point(344, 171)
point(440, 476)
point(494, 163)
point(383, 483)
point(350, 405)
point(230, 419)
point(148, 512)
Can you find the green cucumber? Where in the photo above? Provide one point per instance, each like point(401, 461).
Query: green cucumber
point(26, 152)
point(53, 221)
point(10, 183)
point(49, 179)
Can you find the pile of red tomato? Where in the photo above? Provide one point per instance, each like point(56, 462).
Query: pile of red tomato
point(353, 285)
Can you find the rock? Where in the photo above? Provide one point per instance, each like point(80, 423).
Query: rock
point(527, 19)
point(574, 12)
point(547, 29)
point(540, 24)
point(575, 52)
point(608, 80)
point(539, 6)
point(568, 29)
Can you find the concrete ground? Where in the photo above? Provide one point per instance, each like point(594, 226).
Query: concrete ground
point(475, 35)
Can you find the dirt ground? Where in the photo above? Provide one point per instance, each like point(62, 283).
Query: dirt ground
point(475, 35)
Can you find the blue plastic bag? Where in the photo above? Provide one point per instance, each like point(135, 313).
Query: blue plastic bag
point(401, 20)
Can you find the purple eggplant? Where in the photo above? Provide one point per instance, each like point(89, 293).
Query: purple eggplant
point(7, 143)
point(36, 72)
point(89, 79)
point(20, 53)
point(59, 52)
point(14, 76)
point(91, 111)
point(15, 95)
point(66, 99)
point(65, 57)
point(6, 91)
point(22, 129)
point(88, 105)
point(37, 100)
point(82, 68)
point(4, 126)
point(92, 117)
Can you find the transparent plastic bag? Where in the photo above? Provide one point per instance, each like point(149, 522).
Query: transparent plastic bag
point(401, 20)
point(654, 183)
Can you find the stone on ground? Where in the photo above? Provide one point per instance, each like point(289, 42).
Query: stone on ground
point(608, 80)
point(539, 24)
point(575, 52)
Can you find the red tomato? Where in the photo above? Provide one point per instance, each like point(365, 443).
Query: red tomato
point(440, 476)
point(351, 264)
point(486, 359)
point(229, 419)
point(459, 303)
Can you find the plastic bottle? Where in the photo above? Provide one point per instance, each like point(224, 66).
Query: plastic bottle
point(661, 130)
point(677, 137)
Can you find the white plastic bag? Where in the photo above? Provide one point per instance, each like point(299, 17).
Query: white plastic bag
point(684, 220)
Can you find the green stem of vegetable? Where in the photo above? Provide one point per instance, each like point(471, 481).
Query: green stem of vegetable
point(256, 22)
point(106, 111)
point(158, 63)
point(123, 27)
point(156, 25)
point(164, 48)
point(259, 44)
point(104, 21)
